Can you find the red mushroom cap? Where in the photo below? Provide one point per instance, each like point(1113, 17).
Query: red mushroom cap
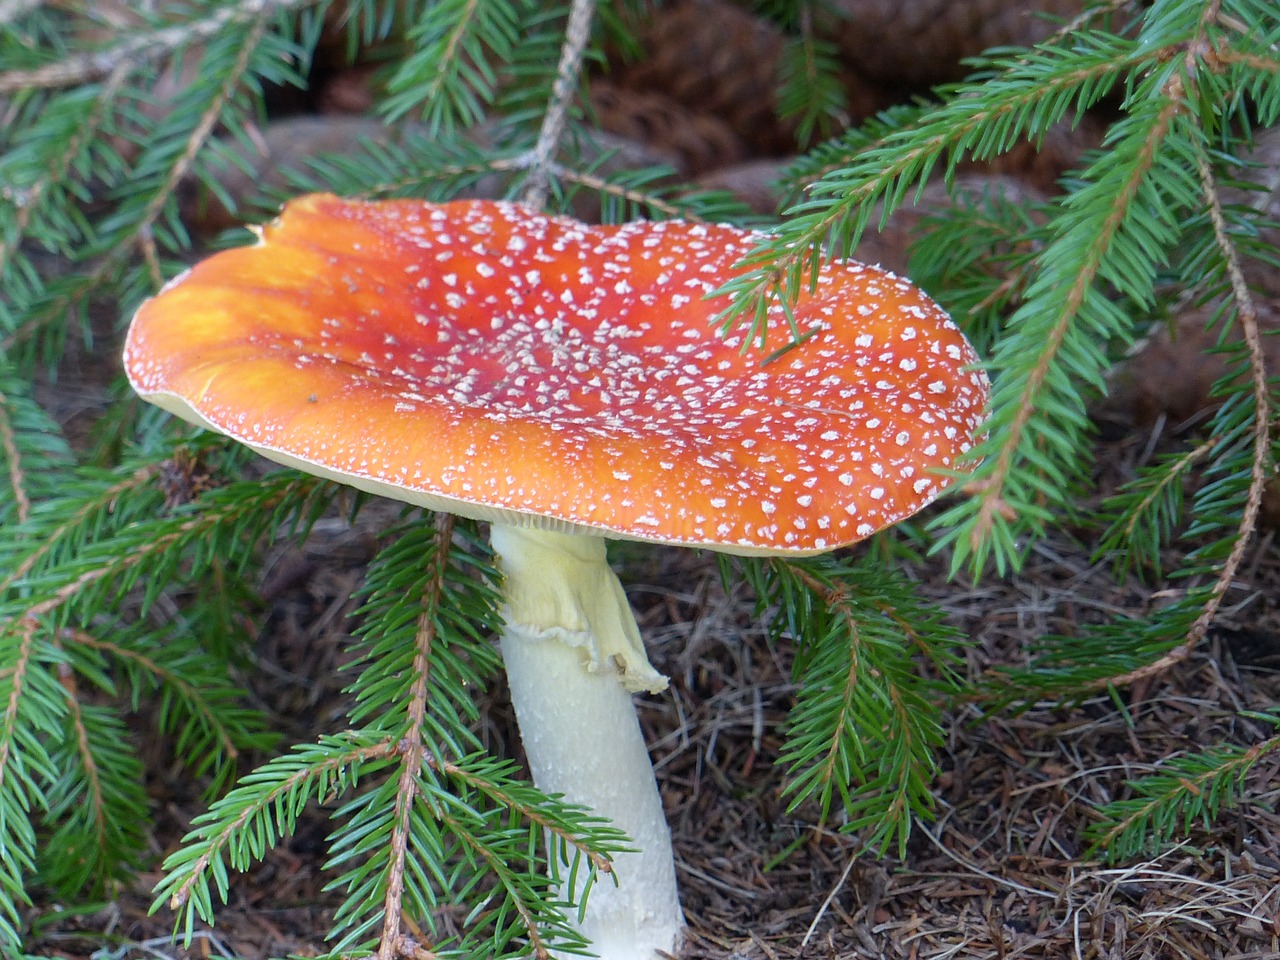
point(486, 360)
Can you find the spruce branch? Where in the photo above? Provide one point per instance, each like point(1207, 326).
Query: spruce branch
point(1261, 465)
point(106, 500)
point(13, 458)
point(87, 757)
point(81, 289)
point(1185, 789)
point(28, 199)
point(123, 568)
point(225, 739)
point(267, 803)
point(448, 76)
point(509, 881)
point(94, 806)
point(411, 750)
point(1015, 443)
point(32, 714)
point(811, 93)
point(981, 119)
point(136, 227)
point(197, 138)
point(1145, 510)
point(141, 49)
point(866, 722)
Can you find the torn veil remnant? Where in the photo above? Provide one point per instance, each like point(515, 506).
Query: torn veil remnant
point(563, 382)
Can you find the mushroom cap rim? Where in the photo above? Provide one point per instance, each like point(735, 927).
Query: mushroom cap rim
point(443, 503)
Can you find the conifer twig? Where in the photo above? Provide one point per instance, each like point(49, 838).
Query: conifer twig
point(29, 199)
point(1247, 312)
point(9, 444)
point(203, 130)
point(577, 33)
point(121, 563)
point(218, 842)
point(411, 750)
point(84, 749)
point(163, 675)
point(141, 232)
point(139, 49)
point(990, 487)
point(25, 653)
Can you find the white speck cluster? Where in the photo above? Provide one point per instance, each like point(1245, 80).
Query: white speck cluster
point(506, 364)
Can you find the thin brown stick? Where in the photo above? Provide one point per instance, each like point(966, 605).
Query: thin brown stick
point(411, 751)
point(577, 33)
point(1261, 468)
point(9, 444)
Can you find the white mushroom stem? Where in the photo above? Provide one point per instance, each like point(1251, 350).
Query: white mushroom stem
point(573, 655)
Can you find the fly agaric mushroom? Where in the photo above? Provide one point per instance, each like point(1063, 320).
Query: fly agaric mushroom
point(562, 382)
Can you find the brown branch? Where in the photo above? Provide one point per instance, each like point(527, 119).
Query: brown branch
point(595, 182)
point(411, 750)
point(577, 33)
point(1261, 64)
point(1247, 314)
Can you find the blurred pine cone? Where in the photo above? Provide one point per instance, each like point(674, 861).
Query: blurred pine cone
point(696, 141)
point(921, 42)
point(714, 58)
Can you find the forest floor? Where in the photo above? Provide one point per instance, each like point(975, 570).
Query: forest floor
point(1000, 872)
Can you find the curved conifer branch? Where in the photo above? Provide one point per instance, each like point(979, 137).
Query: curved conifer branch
point(1261, 465)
